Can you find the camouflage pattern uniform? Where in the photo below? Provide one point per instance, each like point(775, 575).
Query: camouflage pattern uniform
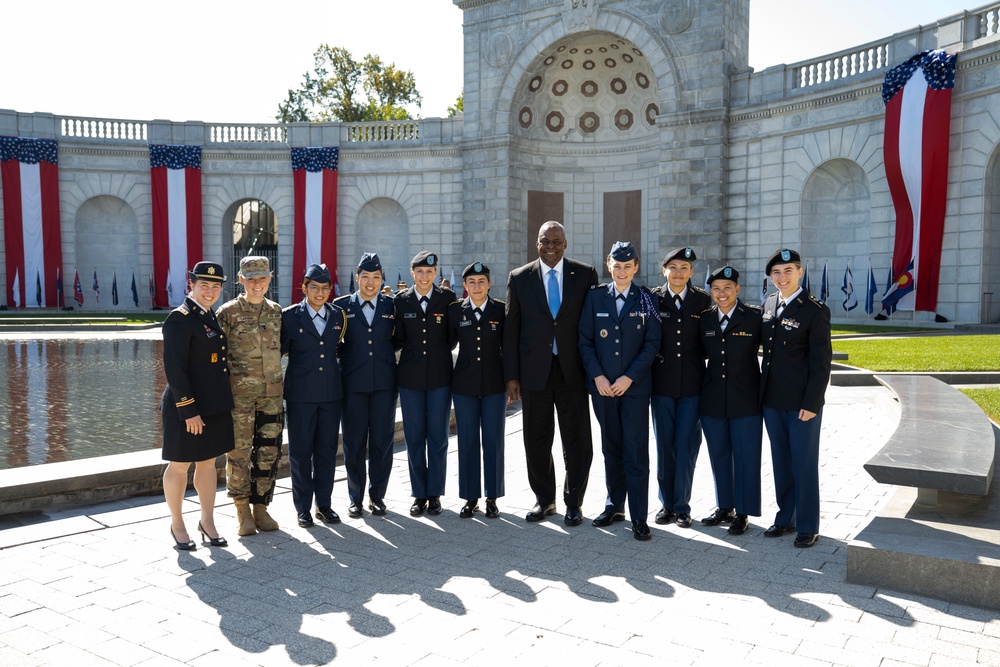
point(254, 332)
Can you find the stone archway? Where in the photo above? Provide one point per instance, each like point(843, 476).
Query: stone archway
point(383, 227)
point(254, 229)
point(107, 242)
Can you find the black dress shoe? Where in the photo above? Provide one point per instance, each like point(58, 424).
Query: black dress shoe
point(469, 509)
point(608, 517)
point(574, 517)
point(720, 515)
point(640, 531)
point(377, 507)
point(539, 512)
point(777, 531)
point(354, 511)
point(327, 515)
point(664, 516)
point(418, 507)
point(684, 520)
point(219, 541)
point(805, 540)
point(740, 525)
point(183, 546)
point(491, 509)
point(305, 521)
point(434, 505)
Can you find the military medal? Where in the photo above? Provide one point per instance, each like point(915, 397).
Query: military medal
point(604, 333)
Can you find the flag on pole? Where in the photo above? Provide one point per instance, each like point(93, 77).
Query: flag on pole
point(114, 287)
point(917, 96)
point(314, 179)
point(175, 172)
point(60, 300)
point(708, 274)
point(16, 295)
point(900, 289)
point(805, 278)
point(135, 292)
point(97, 289)
point(152, 291)
point(824, 290)
point(847, 287)
point(336, 288)
point(353, 287)
point(77, 289)
point(763, 293)
point(29, 175)
point(38, 289)
point(872, 289)
point(452, 279)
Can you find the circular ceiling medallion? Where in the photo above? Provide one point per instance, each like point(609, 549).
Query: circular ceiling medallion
point(559, 88)
point(555, 121)
point(588, 88)
point(550, 60)
point(652, 111)
point(535, 84)
point(610, 62)
point(525, 117)
point(566, 64)
point(618, 85)
point(589, 65)
point(589, 122)
point(642, 80)
point(623, 119)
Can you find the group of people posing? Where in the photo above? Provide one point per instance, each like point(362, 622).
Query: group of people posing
point(687, 356)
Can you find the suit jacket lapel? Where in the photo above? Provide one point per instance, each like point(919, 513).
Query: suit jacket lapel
point(537, 277)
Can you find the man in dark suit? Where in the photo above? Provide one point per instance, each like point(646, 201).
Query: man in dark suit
point(619, 337)
point(677, 375)
point(368, 364)
point(730, 403)
point(311, 331)
point(542, 367)
point(424, 378)
point(794, 376)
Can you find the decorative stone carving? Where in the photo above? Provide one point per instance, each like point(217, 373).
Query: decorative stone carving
point(676, 16)
point(580, 15)
point(499, 49)
point(413, 164)
point(589, 122)
point(796, 120)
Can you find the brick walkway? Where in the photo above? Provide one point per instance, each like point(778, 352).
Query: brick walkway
point(104, 586)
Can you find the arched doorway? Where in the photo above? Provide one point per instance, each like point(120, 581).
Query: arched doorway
point(383, 228)
point(255, 232)
point(107, 245)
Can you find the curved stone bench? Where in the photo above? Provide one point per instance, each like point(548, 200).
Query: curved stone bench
point(944, 441)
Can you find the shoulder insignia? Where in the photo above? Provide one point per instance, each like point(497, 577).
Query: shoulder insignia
point(599, 286)
point(695, 288)
point(183, 309)
point(456, 301)
point(500, 301)
point(752, 307)
point(707, 310)
point(815, 300)
point(288, 309)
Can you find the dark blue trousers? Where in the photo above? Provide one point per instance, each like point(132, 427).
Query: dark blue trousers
point(426, 415)
point(480, 424)
point(625, 445)
point(734, 450)
point(313, 432)
point(369, 423)
point(795, 458)
point(678, 438)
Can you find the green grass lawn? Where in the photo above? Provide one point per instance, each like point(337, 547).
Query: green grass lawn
point(925, 353)
point(988, 398)
point(871, 329)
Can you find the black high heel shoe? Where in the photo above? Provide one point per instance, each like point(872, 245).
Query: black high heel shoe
point(219, 541)
point(183, 546)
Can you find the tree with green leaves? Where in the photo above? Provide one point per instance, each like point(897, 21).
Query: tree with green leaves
point(458, 106)
point(342, 89)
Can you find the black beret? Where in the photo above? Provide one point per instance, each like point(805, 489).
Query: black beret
point(476, 269)
point(623, 251)
point(424, 258)
point(782, 256)
point(370, 262)
point(724, 273)
point(686, 254)
point(207, 271)
point(317, 273)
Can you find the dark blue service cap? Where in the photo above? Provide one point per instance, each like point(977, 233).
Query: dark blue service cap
point(623, 251)
point(424, 258)
point(782, 256)
point(476, 269)
point(207, 271)
point(724, 273)
point(317, 273)
point(685, 254)
point(370, 262)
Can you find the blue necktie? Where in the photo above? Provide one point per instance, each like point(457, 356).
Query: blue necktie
point(554, 302)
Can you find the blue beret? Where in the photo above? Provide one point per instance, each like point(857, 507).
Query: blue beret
point(782, 256)
point(724, 273)
point(685, 254)
point(370, 262)
point(623, 251)
point(424, 258)
point(317, 273)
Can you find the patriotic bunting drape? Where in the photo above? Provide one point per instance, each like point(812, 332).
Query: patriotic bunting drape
point(917, 97)
point(175, 172)
point(314, 172)
point(32, 240)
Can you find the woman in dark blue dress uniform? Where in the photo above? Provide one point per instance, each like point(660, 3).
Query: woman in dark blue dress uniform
point(196, 405)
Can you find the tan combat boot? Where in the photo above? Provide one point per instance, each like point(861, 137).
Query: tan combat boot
point(244, 518)
point(263, 519)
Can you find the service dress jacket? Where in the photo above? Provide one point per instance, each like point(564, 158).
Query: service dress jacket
point(479, 367)
point(367, 355)
point(313, 373)
point(680, 365)
point(797, 354)
point(731, 388)
point(422, 338)
point(194, 360)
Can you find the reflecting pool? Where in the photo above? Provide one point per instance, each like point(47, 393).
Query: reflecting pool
point(71, 398)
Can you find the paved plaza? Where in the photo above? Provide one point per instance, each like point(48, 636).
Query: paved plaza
point(103, 585)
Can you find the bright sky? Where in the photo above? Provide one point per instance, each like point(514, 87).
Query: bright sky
point(233, 61)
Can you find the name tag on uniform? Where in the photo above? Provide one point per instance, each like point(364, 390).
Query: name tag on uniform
point(709, 333)
point(409, 316)
point(466, 323)
point(664, 313)
point(601, 315)
point(350, 315)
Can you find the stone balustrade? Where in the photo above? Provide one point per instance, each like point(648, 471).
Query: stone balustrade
point(859, 60)
point(986, 22)
point(96, 128)
point(405, 130)
point(246, 134)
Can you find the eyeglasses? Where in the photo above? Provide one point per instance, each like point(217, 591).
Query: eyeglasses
point(319, 289)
